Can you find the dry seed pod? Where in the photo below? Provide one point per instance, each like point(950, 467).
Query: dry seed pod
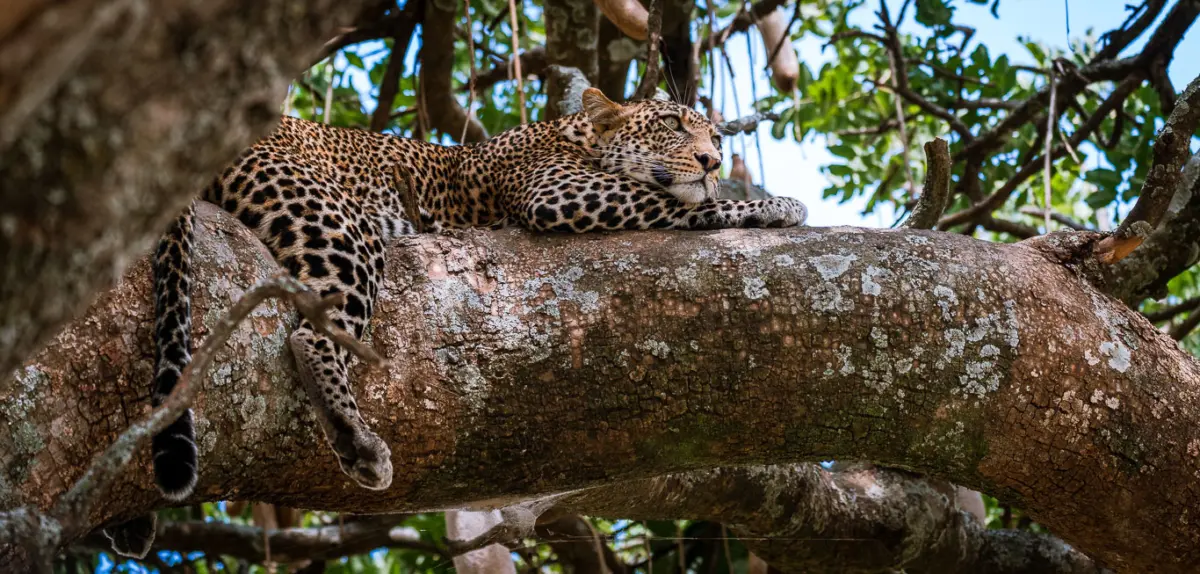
point(785, 68)
point(628, 15)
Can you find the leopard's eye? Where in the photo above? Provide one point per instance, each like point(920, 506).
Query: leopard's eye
point(672, 123)
point(716, 141)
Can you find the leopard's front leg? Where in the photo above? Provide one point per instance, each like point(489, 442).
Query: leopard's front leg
point(728, 213)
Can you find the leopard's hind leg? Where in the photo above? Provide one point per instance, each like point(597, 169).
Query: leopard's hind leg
point(334, 246)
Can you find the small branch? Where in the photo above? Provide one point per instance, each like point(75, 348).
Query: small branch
point(746, 124)
point(1054, 215)
point(649, 82)
point(532, 62)
point(899, 82)
point(1171, 151)
point(402, 181)
point(517, 522)
point(1051, 116)
point(935, 192)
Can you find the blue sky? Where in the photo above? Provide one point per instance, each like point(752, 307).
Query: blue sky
point(794, 169)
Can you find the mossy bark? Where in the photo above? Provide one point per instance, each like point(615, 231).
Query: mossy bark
point(530, 364)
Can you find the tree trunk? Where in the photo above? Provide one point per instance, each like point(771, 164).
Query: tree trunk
point(121, 112)
point(530, 364)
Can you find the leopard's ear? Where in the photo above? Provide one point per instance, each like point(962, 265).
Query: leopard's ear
point(605, 114)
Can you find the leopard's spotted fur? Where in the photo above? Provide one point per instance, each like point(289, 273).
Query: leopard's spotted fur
point(323, 201)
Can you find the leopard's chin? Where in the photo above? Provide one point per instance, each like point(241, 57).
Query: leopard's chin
point(694, 191)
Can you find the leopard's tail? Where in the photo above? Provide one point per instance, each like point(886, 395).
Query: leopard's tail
point(175, 447)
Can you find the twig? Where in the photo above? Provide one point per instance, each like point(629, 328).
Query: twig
point(646, 87)
point(402, 181)
point(899, 82)
point(1171, 151)
point(1060, 218)
point(1051, 116)
point(471, 79)
point(516, 58)
point(935, 192)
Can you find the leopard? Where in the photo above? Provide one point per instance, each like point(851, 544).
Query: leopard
point(324, 201)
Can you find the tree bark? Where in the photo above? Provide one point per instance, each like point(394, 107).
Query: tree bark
point(572, 36)
point(121, 113)
point(525, 365)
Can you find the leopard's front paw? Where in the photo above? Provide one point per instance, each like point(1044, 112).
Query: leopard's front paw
point(365, 458)
point(778, 212)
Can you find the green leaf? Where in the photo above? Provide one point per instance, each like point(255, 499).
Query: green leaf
point(354, 60)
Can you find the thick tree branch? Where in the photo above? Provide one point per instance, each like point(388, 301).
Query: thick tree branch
point(916, 349)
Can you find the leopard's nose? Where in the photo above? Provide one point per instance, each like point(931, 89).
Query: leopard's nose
point(708, 162)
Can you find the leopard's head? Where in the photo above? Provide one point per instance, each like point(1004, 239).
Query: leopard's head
point(657, 142)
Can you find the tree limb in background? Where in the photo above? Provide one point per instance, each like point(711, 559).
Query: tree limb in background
point(1030, 168)
point(1169, 250)
point(489, 556)
point(628, 15)
point(288, 545)
point(802, 518)
point(1171, 151)
point(571, 84)
point(436, 76)
point(935, 191)
point(649, 82)
point(389, 86)
point(460, 449)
